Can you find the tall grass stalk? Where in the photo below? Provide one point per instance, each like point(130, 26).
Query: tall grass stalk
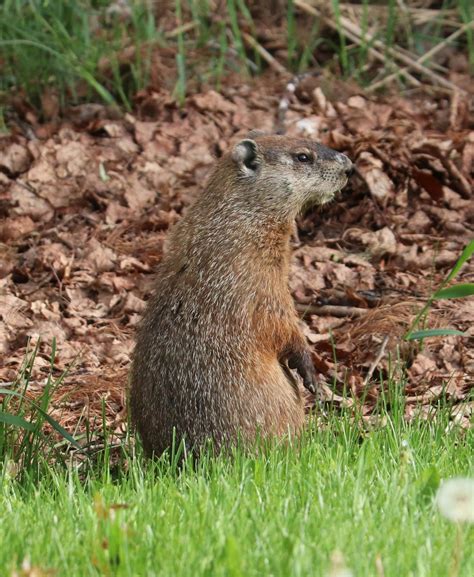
point(343, 53)
point(236, 35)
point(180, 89)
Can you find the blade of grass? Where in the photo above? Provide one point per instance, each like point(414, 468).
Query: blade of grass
point(343, 55)
point(455, 292)
point(16, 421)
point(236, 34)
point(56, 426)
point(219, 68)
point(180, 89)
point(418, 335)
point(248, 17)
point(465, 255)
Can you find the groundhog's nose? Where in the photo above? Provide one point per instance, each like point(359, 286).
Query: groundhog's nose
point(348, 167)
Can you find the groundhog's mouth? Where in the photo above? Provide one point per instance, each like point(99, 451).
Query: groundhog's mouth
point(329, 196)
point(319, 201)
point(322, 198)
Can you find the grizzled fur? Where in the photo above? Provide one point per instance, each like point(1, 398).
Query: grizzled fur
point(213, 351)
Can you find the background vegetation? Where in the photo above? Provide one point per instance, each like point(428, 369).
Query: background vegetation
point(60, 53)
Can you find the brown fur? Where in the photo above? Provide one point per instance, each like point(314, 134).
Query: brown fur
point(212, 354)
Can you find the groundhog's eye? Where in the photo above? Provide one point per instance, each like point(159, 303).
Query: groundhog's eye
point(303, 157)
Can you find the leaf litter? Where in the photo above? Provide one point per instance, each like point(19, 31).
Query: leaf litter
point(85, 211)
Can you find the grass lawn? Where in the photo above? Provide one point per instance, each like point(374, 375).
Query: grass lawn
point(368, 495)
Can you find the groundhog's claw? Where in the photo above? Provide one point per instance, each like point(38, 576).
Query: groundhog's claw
point(310, 384)
point(301, 361)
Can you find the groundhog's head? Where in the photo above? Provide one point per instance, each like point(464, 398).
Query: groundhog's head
point(297, 171)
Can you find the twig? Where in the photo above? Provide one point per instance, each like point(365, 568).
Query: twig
point(464, 188)
point(454, 110)
point(272, 62)
point(283, 106)
point(377, 360)
point(332, 310)
point(427, 398)
point(181, 29)
point(419, 15)
point(433, 64)
point(425, 56)
point(355, 38)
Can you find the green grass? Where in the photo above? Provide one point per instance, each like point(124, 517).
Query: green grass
point(23, 418)
point(365, 491)
point(284, 512)
point(74, 49)
point(76, 52)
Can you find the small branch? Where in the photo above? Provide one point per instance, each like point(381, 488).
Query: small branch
point(377, 360)
point(331, 310)
point(464, 188)
point(181, 29)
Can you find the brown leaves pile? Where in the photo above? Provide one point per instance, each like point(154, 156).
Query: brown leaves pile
point(85, 212)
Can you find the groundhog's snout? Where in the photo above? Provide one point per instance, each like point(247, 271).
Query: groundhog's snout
point(334, 157)
point(346, 163)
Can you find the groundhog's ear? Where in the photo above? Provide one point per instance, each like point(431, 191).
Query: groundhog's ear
point(245, 155)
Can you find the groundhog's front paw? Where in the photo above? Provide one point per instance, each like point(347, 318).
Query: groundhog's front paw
point(301, 361)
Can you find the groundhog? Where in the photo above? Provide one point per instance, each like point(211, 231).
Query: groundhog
point(220, 334)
